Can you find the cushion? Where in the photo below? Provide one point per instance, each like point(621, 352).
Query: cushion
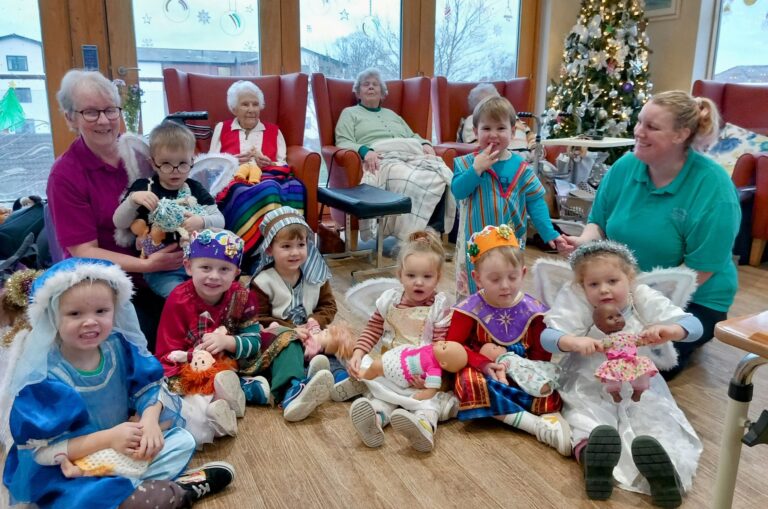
point(733, 142)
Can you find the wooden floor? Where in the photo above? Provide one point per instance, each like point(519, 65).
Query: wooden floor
point(321, 463)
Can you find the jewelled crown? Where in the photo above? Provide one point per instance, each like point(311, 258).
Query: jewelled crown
point(220, 245)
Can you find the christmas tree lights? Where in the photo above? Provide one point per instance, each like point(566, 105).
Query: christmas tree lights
point(604, 79)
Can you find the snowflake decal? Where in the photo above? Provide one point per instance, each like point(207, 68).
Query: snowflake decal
point(250, 46)
point(249, 8)
point(147, 19)
point(203, 17)
point(147, 42)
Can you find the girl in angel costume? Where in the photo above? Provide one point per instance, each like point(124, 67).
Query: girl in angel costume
point(645, 446)
point(407, 312)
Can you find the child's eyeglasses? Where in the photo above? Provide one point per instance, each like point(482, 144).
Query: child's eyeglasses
point(90, 115)
point(168, 168)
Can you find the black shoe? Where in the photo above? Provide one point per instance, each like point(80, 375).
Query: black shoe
point(653, 462)
point(206, 480)
point(599, 457)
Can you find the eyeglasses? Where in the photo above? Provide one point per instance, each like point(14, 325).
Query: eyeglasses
point(168, 168)
point(89, 115)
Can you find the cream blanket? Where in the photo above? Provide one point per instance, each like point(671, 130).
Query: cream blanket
point(406, 170)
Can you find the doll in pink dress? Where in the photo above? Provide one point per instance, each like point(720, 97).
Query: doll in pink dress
point(622, 364)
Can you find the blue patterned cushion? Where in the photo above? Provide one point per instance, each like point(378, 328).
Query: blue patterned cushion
point(733, 142)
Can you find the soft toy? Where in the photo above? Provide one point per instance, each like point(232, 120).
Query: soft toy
point(168, 217)
point(537, 378)
point(249, 172)
point(197, 375)
point(4, 213)
point(622, 364)
point(13, 303)
point(402, 365)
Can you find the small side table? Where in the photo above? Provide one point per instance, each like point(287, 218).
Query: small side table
point(745, 333)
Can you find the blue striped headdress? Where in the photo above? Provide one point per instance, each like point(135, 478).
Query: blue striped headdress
point(314, 270)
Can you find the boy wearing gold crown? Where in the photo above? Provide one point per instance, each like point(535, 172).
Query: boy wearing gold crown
point(501, 314)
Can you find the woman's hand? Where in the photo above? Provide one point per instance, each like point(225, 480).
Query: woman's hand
point(168, 258)
point(371, 161)
point(484, 160)
point(146, 199)
point(262, 160)
point(560, 243)
point(656, 334)
point(126, 437)
point(580, 344)
point(193, 223)
point(244, 157)
point(428, 149)
point(496, 372)
point(353, 365)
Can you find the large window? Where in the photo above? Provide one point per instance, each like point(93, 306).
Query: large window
point(741, 51)
point(26, 147)
point(16, 63)
point(201, 36)
point(477, 40)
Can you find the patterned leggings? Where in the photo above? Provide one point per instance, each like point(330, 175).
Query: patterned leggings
point(161, 494)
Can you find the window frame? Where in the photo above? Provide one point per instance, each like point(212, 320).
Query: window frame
point(17, 58)
point(27, 94)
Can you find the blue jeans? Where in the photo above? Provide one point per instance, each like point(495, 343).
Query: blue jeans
point(163, 282)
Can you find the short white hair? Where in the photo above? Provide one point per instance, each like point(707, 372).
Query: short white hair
point(238, 88)
point(480, 92)
point(371, 72)
point(91, 81)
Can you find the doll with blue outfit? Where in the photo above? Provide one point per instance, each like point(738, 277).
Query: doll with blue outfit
point(90, 413)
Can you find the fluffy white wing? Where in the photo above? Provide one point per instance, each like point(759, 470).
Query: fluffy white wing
point(676, 283)
point(134, 151)
point(549, 277)
point(214, 171)
point(361, 298)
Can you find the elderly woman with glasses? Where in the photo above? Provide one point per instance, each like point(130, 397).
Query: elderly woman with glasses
point(88, 179)
point(395, 158)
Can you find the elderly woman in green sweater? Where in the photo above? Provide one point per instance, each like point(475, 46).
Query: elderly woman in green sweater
point(395, 158)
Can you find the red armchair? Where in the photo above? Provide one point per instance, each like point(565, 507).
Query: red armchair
point(449, 103)
point(408, 98)
point(286, 105)
point(746, 105)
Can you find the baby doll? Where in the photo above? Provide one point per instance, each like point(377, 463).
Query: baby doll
point(623, 364)
point(537, 378)
point(337, 339)
point(404, 364)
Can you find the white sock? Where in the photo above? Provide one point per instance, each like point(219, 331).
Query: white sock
point(525, 421)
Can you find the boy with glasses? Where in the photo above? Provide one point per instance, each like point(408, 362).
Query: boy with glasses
point(171, 149)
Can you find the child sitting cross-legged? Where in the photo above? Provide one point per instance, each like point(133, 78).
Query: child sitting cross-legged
point(214, 313)
point(501, 313)
point(86, 419)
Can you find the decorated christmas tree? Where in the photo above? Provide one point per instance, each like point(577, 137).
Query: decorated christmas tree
point(604, 78)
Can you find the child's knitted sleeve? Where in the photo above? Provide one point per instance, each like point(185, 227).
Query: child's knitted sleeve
point(372, 333)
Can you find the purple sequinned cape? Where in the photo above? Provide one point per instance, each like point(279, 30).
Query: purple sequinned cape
point(505, 325)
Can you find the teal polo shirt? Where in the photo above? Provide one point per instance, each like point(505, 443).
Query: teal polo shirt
point(692, 221)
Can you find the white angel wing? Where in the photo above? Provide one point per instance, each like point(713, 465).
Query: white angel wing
point(549, 277)
point(214, 171)
point(362, 297)
point(134, 151)
point(676, 283)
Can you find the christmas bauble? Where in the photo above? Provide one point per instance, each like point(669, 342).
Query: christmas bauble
point(612, 94)
point(641, 96)
point(627, 87)
point(602, 114)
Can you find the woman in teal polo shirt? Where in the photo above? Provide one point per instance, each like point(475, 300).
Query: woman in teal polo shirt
point(674, 206)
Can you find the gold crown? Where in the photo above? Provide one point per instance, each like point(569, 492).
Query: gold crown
point(488, 238)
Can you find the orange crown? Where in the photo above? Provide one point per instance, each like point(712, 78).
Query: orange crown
point(488, 238)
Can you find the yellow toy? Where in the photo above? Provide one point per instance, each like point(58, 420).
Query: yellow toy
point(249, 172)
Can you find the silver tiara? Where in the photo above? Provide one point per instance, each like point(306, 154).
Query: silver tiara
point(594, 247)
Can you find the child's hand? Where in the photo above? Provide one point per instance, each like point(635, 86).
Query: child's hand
point(217, 342)
point(178, 356)
point(151, 441)
point(656, 334)
point(69, 469)
point(313, 326)
point(496, 371)
point(559, 243)
point(126, 437)
point(579, 344)
point(353, 364)
point(484, 160)
point(146, 199)
point(192, 223)
point(425, 394)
